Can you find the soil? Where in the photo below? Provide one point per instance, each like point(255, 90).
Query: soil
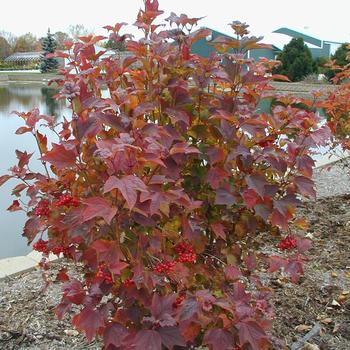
point(322, 297)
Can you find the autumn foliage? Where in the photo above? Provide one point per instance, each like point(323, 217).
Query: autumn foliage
point(337, 106)
point(160, 187)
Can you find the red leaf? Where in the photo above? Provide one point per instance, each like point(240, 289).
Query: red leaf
point(294, 268)
point(18, 189)
point(305, 186)
point(223, 196)
point(232, 273)
point(304, 244)
point(250, 332)
point(215, 154)
point(276, 262)
point(128, 186)
point(183, 148)
point(14, 206)
point(215, 176)
point(280, 77)
point(98, 206)
point(279, 219)
point(219, 339)
point(114, 334)
point(89, 321)
point(74, 292)
point(32, 227)
point(23, 130)
point(60, 156)
point(250, 261)
point(171, 337)
point(148, 340)
point(23, 158)
point(178, 115)
point(107, 251)
point(250, 198)
point(257, 182)
point(219, 230)
point(4, 178)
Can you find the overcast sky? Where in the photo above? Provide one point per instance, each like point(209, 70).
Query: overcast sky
point(327, 20)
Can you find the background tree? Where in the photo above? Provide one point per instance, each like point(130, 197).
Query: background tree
point(5, 48)
point(49, 46)
point(74, 31)
point(340, 60)
point(296, 60)
point(115, 45)
point(60, 38)
point(26, 42)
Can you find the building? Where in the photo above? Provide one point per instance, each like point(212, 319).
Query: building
point(23, 58)
point(318, 48)
point(203, 47)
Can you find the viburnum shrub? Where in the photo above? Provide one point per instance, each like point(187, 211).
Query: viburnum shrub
point(163, 186)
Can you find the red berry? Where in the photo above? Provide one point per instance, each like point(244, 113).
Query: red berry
point(165, 267)
point(186, 253)
point(287, 243)
point(41, 246)
point(178, 301)
point(57, 250)
point(104, 274)
point(128, 282)
point(42, 209)
point(66, 200)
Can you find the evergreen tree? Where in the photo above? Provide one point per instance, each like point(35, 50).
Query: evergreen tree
point(49, 46)
point(296, 60)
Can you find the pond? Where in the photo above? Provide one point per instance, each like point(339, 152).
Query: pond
point(19, 97)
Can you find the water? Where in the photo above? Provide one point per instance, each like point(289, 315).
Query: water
point(19, 97)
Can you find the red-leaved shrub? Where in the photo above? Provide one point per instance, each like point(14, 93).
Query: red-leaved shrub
point(159, 186)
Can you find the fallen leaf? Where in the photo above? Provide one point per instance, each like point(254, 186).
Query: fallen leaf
point(334, 274)
point(327, 320)
point(302, 328)
point(309, 346)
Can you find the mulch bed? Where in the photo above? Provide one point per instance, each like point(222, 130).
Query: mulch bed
point(322, 296)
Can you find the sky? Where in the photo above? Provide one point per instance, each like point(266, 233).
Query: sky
point(326, 20)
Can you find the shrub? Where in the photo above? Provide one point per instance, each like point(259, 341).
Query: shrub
point(161, 188)
point(337, 106)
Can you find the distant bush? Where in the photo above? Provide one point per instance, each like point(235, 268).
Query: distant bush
point(11, 66)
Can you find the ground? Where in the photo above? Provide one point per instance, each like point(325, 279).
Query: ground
point(322, 297)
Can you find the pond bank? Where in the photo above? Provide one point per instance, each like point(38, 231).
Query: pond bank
point(23, 76)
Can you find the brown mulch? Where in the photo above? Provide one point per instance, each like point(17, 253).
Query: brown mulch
point(322, 296)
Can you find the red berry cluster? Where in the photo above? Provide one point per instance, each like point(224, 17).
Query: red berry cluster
point(287, 243)
point(66, 200)
point(58, 250)
point(104, 274)
point(41, 246)
point(128, 282)
point(42, 209)
point(165, 267)
point(186, 253)
point(178, 301)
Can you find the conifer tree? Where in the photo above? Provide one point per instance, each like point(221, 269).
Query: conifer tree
point(49, 45)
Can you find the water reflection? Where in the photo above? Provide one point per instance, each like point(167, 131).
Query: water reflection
point(19, 97)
